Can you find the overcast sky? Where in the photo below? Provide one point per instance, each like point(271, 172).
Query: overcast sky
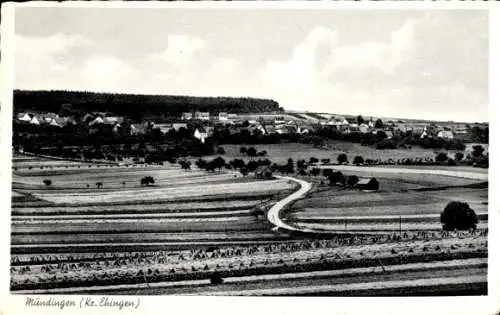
point(415, 64)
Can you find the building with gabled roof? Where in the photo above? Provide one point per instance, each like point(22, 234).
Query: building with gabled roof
point(368, 184)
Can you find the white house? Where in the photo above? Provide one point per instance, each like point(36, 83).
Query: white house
point(445, 134)
point(202, 115)
point(187, 116)
point(200, 134)
point(35, 120)
point(96, 121)
point(364, 128)
point(24, 117)
point(223, 116)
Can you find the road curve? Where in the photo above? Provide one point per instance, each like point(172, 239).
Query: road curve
point(273, 213)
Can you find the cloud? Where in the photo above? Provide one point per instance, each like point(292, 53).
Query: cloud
point(42, 62)
point(424, 68)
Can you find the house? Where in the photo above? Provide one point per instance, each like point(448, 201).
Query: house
point(116, 128)
point(202, 115)
point(351, 129)
point(112, 120)
point(98, 120)
point(368, 184)
point(87, 118)
point(223, 116)
point(187, 116)
point(264, 172)
point(201, 134)
point(36, 120)
point(445, 134)
point(139, 129)
point(364, 128)
point(24, 117)
point(177, 126)
point(303, 130)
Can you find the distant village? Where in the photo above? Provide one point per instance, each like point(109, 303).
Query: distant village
point(282, 123)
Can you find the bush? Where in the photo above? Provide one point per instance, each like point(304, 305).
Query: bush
point(458, 216)
point(47, 182)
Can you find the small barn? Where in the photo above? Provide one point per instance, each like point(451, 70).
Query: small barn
point(368, 184)
point(264, 172)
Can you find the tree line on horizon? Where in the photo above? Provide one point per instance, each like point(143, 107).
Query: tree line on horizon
point(138, 105)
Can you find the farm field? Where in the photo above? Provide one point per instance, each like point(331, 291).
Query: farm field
point(170, 237)
point(280, 153)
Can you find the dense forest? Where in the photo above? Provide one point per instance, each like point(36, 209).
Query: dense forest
point(138, 105)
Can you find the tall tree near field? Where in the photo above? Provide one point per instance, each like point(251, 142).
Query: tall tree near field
point(458, 216)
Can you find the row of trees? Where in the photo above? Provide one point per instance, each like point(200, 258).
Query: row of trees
point(252, 152)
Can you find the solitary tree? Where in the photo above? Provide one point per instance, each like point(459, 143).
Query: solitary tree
point(216, 278)
point(335, 177)
point(352, 180)
point(477, 151)
point(251, 152)
point(220, 150)
point(315, 171)
point(244, 171)
point(342, 158)
point(379, 123)
point(441, 157)
point(327, 172)
point(313, 160)
point(123, 184)
point(360, 119)
point(458, 216)
point(243, 150)
point(98, 184)
point(459, 156)
point(358, 160)
point(47, 182)
point(147, 180)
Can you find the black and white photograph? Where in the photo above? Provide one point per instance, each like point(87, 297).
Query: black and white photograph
point(249, 152)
